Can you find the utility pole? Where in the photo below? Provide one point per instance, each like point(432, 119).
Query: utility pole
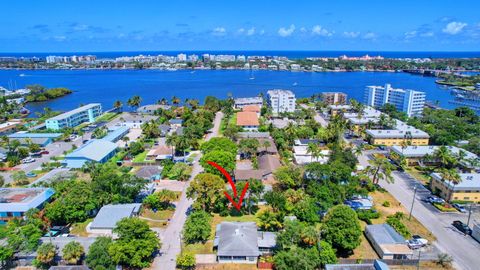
point(469, 213)
point(418, 262)
point(413, 201)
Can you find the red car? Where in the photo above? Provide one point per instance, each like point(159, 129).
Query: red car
point(44, 152)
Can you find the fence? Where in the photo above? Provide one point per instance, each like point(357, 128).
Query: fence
point(371, 261)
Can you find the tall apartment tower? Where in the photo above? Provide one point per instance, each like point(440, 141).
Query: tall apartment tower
point(281, 100)
point(409, 101)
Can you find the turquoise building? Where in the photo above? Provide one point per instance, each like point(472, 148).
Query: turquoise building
point(73, 118)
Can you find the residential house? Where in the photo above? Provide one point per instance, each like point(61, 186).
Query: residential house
point(175, 123)
point(149, 172)
point(116, 134)
point(468, 189)
point(248, 121)
point(108, 216)
point(152, 108)
point(252, 108)
point(133, 120)
point(241, 242)
point(387, 242)
point(10, 126)
point(41, 139)
point(15, 202)
point(301, 155)
point(160, 152)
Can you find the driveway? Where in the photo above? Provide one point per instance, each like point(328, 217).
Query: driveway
point(463, 249)
point(171, 236)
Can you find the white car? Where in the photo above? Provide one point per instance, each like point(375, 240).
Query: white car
point(28, 160)
point(420, 239)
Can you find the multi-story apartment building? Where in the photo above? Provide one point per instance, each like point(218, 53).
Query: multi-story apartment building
point(334, 98)
point(248, 101)
point(409, 101)
point(281, 100)
point(468, 189)
point(73, 118)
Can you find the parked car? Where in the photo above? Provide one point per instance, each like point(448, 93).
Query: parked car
point(44, 152)
point(31, 174)
point(28, 160)
point(434, 199)
point(414, 244)
point(459, 207)
point(420, 239)
point(73, 137)
point(36, 154)
point(462, 227)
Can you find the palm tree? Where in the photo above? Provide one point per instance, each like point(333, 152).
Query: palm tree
point(266, 144)
point(452, 176)
point(380, 168)
point(175, 100)
point(118, 105)
point(444, 156)
point(163, 101)
point(125, 139)
point(134, 101)
point(171, 141)
point(314, 150)
point(193, 103)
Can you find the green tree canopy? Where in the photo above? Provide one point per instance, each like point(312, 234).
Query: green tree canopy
point(98, 256)
point(72, 252)
point(135, 245)
point(219, 143)
point(342, 228)
point(197, 227)
point(206, 189)
point(222, 158)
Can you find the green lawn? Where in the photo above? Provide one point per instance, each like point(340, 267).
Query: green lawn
point(79, 229)
point(106, 117)
point(141, 157)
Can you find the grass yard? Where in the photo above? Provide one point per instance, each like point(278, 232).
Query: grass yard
point(141, 157)
point(106, 117)
point(157, 219)
point(79, 229)
point(422, 177)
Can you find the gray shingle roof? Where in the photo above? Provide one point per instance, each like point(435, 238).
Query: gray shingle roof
point(109, 215)
point(237, 239)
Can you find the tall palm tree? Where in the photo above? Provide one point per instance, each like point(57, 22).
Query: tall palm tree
point(314, 150)
point(444, 156)
point(453, 177)
point(171, 140)
point(134, 101)
point(118, 105)
point(175, 100)
point(380, 168)
point(163, 101)
point(266, 144)
point(193, 103)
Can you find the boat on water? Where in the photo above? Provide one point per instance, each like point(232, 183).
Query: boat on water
point(22, 75)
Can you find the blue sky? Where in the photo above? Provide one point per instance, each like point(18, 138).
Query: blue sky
point(103, 25)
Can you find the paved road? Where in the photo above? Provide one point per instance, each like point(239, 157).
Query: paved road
point(171, 236)
point(464, 249)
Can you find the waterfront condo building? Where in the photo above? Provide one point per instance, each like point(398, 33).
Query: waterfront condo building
point(281, 101)
point(73, 118)
point(405, 100)
point(334, 98)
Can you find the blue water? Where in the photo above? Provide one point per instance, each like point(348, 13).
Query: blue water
point(289, 54)
point(106, 86)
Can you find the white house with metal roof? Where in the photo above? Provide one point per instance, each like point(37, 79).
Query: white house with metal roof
point(94, 150)
point(108, 216)
point(73, 118)
point(387, 242)
point(241, 242)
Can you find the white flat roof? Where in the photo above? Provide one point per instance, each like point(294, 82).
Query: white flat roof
point(469, 181)
point(74, 111)
point(422, 150)
point(394, 133)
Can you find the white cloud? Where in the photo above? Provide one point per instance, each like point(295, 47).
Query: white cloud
point(454, 28)
point(60, 38)
point(427, 34)
point(320, 31)
point(410, 34)
point(251, 31)
point(370, 35)
point(219, 31)
point(285, 32)
point(351, 34)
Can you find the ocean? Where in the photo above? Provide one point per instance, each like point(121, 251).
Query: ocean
point(106, 86)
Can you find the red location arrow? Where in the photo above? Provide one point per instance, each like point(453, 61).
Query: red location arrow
point(229, 178)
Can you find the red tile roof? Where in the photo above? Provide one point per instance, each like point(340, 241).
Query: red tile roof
point(247, 119)
point(251, 108)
